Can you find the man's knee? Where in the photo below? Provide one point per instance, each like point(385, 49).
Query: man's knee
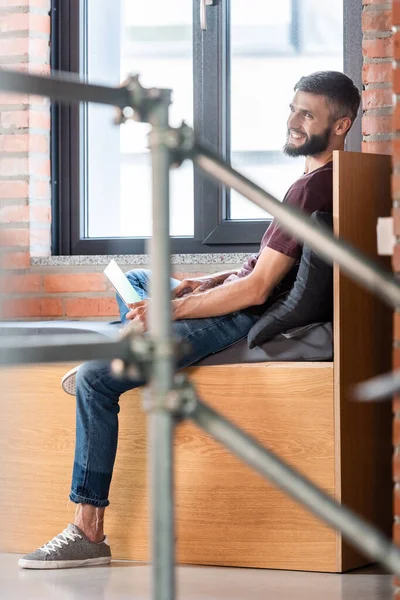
point(138, 276)
point(90, 372)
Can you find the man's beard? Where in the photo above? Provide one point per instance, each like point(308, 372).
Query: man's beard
point(313, 145)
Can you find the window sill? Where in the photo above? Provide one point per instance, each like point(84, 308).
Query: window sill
point(139, 259)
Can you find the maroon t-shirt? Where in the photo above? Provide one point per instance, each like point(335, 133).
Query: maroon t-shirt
point(313, 191)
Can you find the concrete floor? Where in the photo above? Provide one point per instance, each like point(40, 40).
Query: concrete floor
point(127, 580)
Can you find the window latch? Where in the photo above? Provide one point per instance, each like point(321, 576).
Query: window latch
point(203, 13)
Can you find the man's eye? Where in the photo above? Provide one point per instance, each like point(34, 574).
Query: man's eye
point(309, 116)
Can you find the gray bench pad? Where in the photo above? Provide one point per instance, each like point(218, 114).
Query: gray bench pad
point(309, 343)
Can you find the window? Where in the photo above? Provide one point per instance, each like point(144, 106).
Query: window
point(232, 82)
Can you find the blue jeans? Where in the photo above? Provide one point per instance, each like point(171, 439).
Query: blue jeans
point(98, 392)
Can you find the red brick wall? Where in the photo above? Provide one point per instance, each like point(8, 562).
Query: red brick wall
point(377, 76)
point(396, 268)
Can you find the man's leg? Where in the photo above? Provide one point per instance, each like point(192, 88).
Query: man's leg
point(98, 392)
point(94, 378)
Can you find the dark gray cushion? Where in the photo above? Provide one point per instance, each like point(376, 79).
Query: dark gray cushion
point(308, 343)
point(310, 299)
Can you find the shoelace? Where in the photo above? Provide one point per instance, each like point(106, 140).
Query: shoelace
point(62, 538)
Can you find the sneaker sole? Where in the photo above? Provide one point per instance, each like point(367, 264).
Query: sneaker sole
point(63, 564)
point(68, 383)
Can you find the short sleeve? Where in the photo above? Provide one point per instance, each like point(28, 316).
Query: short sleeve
point(281, 240)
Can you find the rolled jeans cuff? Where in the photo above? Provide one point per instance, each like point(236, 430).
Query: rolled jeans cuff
point(77, 499)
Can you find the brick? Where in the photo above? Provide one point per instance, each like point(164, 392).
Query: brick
point(15, 119)
point(23, 142)
point(39, 143)
point(39, 48)
point(22, 119)
point(396, 46)
point(396, 326)
point(39, 119)
point(40, 237)
point(396, 404)
point(20, 284)
point(396, 493)
point(14, 143)
point(12, 167)
point(396, 531)
point(14, 189)
point(35, 65)
point(45, 4)
point(377, 72)
point(384, 147)
point(396, 150)
point(376, 20)
point(15, 46)
point(14, 214)
point(396, 265)
point(14, 237)
point(380, 47)
point(373, 124)
point(396, 212)
point(377, 98)
point(40, 214)
point(40, 190)
point(28, 3)
point(91, 307)
point(40, 166)
point(33, 23)
point(82, 282)
point(396, 469)
point(9, 99)
point(31, 307)
point(396, 12)
point(15, 260)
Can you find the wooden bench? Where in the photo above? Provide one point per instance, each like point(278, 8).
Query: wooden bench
point(226, 514)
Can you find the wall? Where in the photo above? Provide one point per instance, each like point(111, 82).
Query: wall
point(396, 268)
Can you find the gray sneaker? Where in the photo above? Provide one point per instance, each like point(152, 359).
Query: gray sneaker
point(71, 548)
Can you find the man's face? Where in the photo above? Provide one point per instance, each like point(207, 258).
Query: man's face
point(309, 125)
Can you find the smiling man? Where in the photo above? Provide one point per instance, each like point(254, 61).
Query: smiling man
point(211, 313)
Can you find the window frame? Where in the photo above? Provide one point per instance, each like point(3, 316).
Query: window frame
point(214, 232)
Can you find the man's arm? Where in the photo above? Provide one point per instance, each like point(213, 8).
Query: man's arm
point(248, 291)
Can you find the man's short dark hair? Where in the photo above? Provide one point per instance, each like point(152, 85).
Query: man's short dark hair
point(338, 89)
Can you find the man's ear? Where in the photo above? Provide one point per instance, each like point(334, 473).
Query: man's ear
point(342, 126)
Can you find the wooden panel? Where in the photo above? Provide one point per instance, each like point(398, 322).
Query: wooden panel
point(362, 332)
point(227, 515)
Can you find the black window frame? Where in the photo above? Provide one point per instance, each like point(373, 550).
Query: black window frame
point(214, 232)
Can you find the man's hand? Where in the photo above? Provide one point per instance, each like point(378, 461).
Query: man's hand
point(198, 284)
point(138, 313)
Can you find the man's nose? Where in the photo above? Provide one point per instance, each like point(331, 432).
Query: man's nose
point(293, 121)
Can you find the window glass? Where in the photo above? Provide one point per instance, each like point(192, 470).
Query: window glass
point(272, 46)
point(153, 39)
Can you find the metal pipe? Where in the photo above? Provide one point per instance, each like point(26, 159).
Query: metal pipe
point(64, 88)
point(353, 262)
point(356, 530)
point(379, 388)
point(45, 348)
point(161, 420)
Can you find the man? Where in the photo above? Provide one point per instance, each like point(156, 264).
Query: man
point(210, 312)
